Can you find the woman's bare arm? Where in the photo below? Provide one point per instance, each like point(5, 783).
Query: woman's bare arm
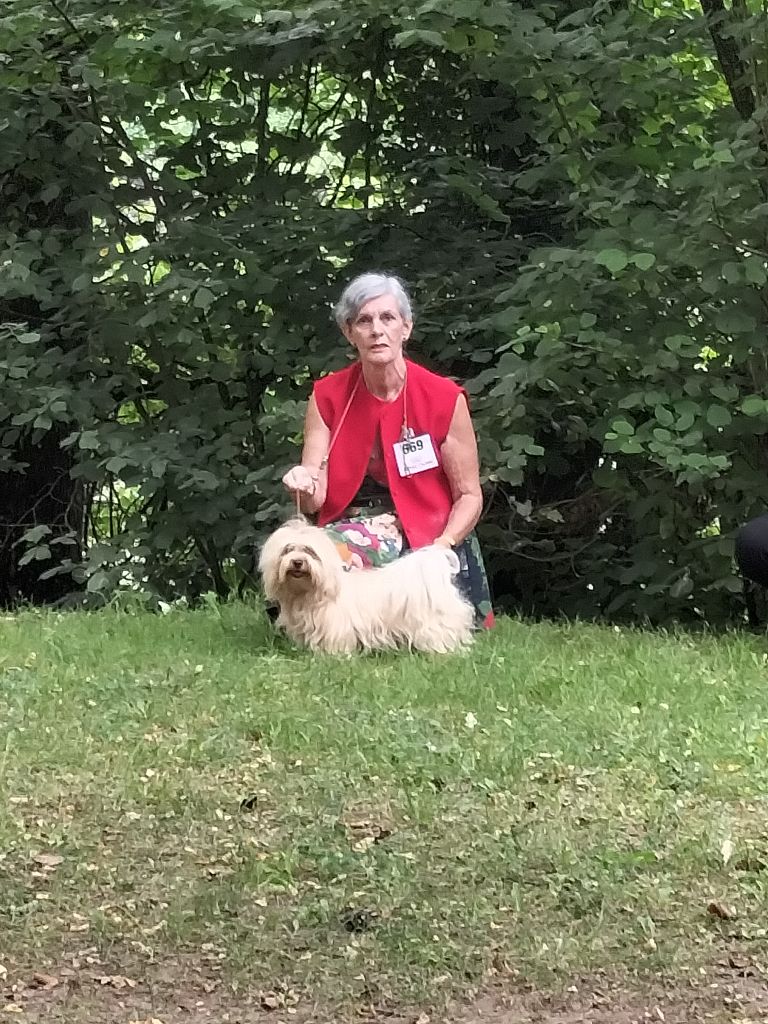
point(462, 467)
point(309, 479)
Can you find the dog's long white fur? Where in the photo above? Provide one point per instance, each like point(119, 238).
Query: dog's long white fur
point(412, 602)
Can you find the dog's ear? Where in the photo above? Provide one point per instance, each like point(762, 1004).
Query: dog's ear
point(331, 587)
point(330, 572)
point(268, 562)
point(269, 579)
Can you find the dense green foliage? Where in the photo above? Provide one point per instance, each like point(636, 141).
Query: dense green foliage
point(576, 194)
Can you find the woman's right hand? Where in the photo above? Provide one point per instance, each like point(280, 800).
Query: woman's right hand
point(299, 479)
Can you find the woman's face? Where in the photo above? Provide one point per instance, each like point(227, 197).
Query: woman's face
point(378, 332)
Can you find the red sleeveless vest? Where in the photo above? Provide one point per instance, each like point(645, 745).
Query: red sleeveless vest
point(423, 501)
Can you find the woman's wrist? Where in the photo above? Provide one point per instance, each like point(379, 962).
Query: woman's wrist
point(312, 493)
point(446, 540)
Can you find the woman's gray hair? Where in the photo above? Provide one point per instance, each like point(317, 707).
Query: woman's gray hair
point(365, 287)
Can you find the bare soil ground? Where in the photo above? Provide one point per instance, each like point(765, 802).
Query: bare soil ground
point(731, 992)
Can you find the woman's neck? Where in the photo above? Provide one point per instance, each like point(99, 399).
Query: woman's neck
point(385, 381)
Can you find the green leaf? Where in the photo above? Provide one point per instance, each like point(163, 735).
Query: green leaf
point(484, 202)
point(754, 406)
point(686, 413)
point(39, 553)
point(412, 36)
point(203, 298)
point(98, 581)
point(678, 342)
point(614, 260)
point(732, 272)
point(718, 416)
point(623, 428)
point(630, 446)
point(632, 400)
point(36, 533)
point(91, 75)
point(755, 271)
point(643, 260)
point(681, 588)
point(727, 393)
point(50, 192)
point(89, 440)
point(81, 282)
point(734, 321)
point(533, 449)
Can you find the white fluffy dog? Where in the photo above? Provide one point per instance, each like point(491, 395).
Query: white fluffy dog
point(412, 602)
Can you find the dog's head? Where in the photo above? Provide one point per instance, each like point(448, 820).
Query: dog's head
point(300, 561)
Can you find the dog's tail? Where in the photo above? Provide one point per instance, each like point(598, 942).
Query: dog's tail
point(430, 596)
point(453, 561)
point(436, 559)
point(431, 571)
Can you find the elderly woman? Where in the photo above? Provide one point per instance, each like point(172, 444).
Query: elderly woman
point(390, 456)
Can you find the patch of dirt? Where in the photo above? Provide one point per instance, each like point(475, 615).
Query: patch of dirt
point(732, 992)
point(92, 995)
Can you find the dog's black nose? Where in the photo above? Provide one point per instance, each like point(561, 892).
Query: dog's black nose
point(297, 563)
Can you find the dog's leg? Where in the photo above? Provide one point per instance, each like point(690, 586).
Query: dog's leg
point(333, 645)
point(448, 629)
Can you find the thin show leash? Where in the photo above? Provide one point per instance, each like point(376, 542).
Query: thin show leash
point(299, 514)
point(331, 443)
point(351, 398)
point(337, 431)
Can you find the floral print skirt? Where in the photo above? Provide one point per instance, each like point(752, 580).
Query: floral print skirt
point(367, 538)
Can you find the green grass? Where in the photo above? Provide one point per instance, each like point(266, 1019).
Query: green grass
point(381, 829)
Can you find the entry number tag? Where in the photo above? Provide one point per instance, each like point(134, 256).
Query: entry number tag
point(415, 455)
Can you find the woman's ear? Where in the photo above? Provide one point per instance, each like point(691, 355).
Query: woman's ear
point(346, 330)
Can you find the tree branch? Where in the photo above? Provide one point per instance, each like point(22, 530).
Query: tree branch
point(729, 56)
point(261, 127)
